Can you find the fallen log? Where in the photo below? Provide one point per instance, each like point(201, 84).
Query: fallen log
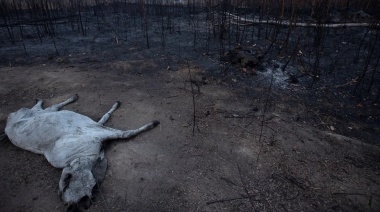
point(246, 22)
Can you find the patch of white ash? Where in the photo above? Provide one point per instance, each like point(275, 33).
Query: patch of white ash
point(280, 78)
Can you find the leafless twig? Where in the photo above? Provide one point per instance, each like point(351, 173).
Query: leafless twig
point(104, 199)
point(193, 98)
point(266, 107)
point(245, 188)
point(226, 200)
point(2, 136)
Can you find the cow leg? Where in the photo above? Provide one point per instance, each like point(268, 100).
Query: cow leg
point(58, 106)
point(106, 116)
point(38, 105)
point(120, 134)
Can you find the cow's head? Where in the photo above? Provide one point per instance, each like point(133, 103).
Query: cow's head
point(79, 179)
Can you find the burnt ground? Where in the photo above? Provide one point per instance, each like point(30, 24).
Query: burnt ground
point(259, 143)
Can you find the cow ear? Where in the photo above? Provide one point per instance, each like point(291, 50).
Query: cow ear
point(66, 180)
point(99, 169)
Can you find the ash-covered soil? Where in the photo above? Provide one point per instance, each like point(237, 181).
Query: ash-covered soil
point(230, 139)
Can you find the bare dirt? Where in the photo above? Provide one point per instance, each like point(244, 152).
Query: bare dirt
point(254, 147)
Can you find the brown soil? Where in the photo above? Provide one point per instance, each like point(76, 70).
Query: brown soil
point(231, 162)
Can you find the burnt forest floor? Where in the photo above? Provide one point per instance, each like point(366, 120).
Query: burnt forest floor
point(265, 136)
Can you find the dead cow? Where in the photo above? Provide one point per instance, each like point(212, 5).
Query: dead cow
point(70, 141)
